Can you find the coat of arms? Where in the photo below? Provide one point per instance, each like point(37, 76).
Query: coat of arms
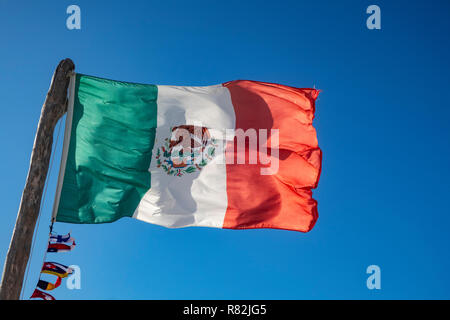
point(188, 150)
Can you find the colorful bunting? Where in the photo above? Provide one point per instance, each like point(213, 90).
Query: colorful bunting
point(56, 243)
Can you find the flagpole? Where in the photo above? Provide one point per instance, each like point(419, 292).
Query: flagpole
point(54, 107)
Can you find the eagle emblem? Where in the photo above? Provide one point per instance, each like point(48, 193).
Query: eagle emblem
point(188, 150)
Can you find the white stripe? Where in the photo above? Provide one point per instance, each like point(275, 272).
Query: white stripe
point(65, 150)
point(198, 198)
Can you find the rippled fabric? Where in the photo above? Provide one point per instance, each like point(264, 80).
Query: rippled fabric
point(282, 200)
point(56, 269)
point(45, 285)
point(38, 294)
point(112, 137)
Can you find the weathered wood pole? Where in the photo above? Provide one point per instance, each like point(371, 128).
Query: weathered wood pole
point(54, 107)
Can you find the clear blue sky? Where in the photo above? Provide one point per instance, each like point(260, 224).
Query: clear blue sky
point(382, 121)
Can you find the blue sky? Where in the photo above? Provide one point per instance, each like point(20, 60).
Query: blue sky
point(382, 121)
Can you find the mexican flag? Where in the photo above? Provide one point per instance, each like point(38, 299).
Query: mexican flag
point(237, 155)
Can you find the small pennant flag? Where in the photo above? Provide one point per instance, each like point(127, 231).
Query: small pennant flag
point(56, 269)
point(45, 285)
point(38, 294)
point(60, 247)
point(61, 238)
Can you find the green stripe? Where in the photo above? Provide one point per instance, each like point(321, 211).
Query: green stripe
point(112, 137)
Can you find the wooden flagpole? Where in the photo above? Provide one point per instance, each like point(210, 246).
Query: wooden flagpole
point(54, 107)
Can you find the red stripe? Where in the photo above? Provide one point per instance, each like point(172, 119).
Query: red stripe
point(283, 200)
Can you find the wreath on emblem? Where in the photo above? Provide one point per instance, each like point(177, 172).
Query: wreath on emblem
point(175, 161)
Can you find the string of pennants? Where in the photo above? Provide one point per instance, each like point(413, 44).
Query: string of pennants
point(56, 243)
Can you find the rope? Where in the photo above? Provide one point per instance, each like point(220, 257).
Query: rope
point(39, 214)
